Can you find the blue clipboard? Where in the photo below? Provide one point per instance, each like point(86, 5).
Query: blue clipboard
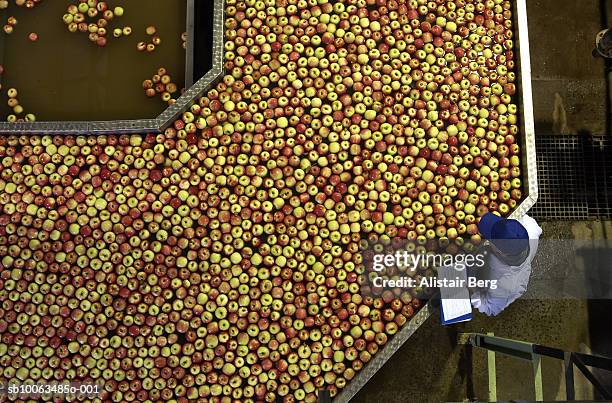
point(460, 319)
point(456, 300)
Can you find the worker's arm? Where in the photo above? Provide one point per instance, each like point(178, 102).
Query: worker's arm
point(511, 285)
point(491, 306)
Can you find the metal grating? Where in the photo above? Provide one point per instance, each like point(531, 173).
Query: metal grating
point(573, 177)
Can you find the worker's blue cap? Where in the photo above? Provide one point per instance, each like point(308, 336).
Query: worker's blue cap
point(509, 236)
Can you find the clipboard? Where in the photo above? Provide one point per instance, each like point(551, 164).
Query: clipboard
point(459, 319)
point(455, 303)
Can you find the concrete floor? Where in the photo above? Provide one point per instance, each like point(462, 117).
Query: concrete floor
point(570, 93)
point(569, 90)
point(431, 367)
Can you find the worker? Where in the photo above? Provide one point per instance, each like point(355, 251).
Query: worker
point(513, 245)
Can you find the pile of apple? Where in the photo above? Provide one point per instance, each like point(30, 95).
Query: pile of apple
point(18, 114)
point(27, 3)
point(100, 15)
point(154, 41)
point(221, 259)
point(161, 84)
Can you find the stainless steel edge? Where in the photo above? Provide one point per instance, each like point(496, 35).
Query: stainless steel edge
point(528, 148)
point(167, 117)
point(383, 355)
point(189, 58)
point(136, 126)
point(22, 128)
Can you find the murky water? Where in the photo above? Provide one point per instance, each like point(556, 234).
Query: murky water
point(64, 76)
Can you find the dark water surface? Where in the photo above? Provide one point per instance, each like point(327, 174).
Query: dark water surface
point(64, 76)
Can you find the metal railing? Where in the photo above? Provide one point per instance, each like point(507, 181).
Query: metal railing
point(534, 352)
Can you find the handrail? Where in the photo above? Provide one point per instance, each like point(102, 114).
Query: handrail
point(533, 352)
